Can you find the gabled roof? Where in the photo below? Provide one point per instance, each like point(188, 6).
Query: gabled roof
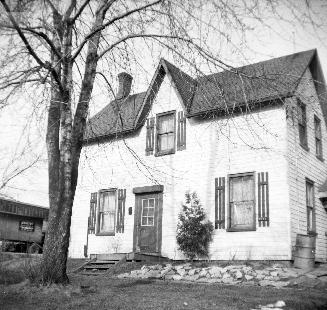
point(118, 117)
point(248, 85)
point(266, 80)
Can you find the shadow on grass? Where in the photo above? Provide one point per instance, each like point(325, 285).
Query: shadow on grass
point(136, 282)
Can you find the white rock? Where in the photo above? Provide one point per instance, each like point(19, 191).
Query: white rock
point(280, 304)
point(274, 273)
point(176, 277)
point(181, 271)
point(192, 272)
point(238, 275)
point(248, 277)
point(203, 273)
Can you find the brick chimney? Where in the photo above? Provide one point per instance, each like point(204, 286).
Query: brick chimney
point(125, 83)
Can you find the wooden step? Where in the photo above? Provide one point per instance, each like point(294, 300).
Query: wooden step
point(145, 257)
point(109, 256)
point(97, 266)
point(99, 262)
point(92, 273)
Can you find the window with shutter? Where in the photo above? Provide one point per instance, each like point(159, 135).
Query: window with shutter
point(92, 216)
point(220, 203)
point(241, 202)
point(106, 212)
point(181, 131)
point(302, 123)
point(263, 199)
point(165, 143)
point(311, 218)
point(121, 210)
point(149, 136)
point(318, 138)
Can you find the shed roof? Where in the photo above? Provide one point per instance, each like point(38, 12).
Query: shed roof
point(24, 209)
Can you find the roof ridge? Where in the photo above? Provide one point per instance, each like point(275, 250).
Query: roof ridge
point(259, 62)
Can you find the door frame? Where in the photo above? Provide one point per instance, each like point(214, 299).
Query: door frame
point(139, 191)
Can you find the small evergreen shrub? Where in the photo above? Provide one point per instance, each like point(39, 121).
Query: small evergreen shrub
point(194, 231)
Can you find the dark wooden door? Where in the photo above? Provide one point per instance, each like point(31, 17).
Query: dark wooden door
point(147, 225)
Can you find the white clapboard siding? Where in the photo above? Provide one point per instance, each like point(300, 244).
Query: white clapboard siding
point(256, 142)
point(304, 164)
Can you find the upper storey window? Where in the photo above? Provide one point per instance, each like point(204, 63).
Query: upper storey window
point(302, 123)
point(166, 133)
point(318, 137)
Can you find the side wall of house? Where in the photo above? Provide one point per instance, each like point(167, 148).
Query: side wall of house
point(304, 164)
point(253, 142)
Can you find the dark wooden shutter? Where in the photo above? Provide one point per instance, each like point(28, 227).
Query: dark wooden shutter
point(121, 210)
point(92, 216)
point(263, 199)
point(149, 136)
point(181, 131)
point(220, 203)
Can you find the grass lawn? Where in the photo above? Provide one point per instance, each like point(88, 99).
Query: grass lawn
point(104, 292)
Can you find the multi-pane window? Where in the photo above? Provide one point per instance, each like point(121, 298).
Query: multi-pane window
point(148, 206)
point(311, 227)
point(318, 138)
point(166, 133)
point(242, 202)
point(106, 212)
point(302, 123)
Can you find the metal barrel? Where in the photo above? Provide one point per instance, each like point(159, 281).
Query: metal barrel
point(304, 255)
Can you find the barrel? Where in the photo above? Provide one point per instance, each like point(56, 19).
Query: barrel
point(304, 255)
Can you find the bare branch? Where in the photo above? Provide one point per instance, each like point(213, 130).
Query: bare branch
point(21, 34)
point(105, 25)
point(79, 12)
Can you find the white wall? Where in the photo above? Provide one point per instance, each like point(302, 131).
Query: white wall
point(214, 148)
point(304, 164)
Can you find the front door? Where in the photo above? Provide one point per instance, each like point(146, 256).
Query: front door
point(147, 227)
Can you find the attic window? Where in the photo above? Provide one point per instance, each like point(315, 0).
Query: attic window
point(166, 127)
point(302, 124)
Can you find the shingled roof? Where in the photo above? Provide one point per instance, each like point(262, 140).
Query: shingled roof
point(263, 81)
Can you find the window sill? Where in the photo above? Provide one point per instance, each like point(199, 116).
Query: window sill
point(163, 153)
point(240, 229)
point(320, 158)
point(312, 233)
point(105, 234)
point(305, 146)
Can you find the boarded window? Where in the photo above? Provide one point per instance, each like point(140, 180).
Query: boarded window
point(311, 225)
point(121, 210)
point(181, 131)
point(263, 199)
point(241, 202)
point(149, 136)
point(166, 133)
point(219, 203)
point(92, 216)
point(318, 138)
point(302, 123)
point(107, 210)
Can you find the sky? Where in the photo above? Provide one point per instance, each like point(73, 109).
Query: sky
point(22, 133)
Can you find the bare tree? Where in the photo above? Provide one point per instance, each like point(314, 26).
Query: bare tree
point(58, 48)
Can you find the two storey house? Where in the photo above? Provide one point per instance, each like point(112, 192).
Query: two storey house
point(251, 141)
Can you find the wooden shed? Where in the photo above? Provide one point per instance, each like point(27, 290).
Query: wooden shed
point(22, 222)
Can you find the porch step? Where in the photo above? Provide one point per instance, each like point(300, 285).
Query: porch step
point(100, 263)
point(145, 257)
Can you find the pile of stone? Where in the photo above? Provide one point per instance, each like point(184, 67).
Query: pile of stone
point(276, 275)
